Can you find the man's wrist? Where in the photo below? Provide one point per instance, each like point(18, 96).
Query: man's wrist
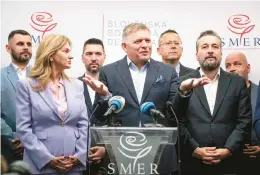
point(183, 92)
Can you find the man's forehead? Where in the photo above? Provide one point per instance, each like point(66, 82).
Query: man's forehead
point(93, 48)
point(21, 38)
point(209, 39)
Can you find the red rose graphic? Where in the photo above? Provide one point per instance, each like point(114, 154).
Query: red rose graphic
point(240, 24)
point(42, 22)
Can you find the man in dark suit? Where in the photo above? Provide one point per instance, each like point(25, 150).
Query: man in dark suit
point(139, 79)
point(170, 48)
point(217, 120)
point(20, 48)
point(93, 57)
point(257, 114)
point(236, 63)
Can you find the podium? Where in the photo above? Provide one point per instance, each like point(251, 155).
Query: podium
point(138, 150)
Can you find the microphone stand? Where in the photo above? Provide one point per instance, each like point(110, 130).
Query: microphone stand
point(178, 141)
point(111, 121)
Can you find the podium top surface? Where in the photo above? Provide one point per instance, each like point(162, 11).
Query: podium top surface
point(137, 128)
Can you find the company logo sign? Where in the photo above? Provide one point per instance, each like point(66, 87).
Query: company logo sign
point(134, 146)
point(42, 22)
point(241, 26)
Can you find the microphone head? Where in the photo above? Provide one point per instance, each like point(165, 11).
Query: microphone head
point(168, 104)
point(19, 167)
point(117, 101)
point(103, 100)
point(146, 107)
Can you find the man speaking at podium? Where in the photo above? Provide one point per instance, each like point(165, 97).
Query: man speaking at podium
point(138, 79)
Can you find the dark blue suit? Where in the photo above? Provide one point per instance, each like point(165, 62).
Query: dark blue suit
point(160, 86)
point(257, 114)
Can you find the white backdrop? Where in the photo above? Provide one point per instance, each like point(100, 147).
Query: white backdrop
point(236, 22)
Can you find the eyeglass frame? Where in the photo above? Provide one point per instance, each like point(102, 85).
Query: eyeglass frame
point(170, 43)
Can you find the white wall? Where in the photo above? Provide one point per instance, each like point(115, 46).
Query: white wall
point(105, 20)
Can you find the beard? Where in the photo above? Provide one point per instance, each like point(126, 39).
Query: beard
point(93, 70)
point(209, 66)
point(20, 58)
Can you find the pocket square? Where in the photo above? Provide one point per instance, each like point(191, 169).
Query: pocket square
point(159, 79)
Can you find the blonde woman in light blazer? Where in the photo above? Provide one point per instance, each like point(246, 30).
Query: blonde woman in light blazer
point(52, 120)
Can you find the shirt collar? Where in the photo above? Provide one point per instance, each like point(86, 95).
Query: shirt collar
point(202, 74)
point(134, 67)
point(16, 68)
point(61, 83)
point(177, 68)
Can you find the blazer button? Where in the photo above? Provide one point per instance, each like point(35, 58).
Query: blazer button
point(62, 124)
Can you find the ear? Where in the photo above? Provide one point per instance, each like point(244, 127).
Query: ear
point(123, 45)
point(197, 57)
point(248, 68)
point(158, 51)
point(8, 48)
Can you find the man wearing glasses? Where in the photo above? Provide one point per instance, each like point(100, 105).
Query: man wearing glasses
point(170, 48)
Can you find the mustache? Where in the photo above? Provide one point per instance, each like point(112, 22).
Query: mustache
point(25, 52)
point(210, 56)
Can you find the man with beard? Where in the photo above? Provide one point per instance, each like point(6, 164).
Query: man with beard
point(236, 63)
point(20, 48)
point(93, 57)
point(217, 120)
point(170, 48)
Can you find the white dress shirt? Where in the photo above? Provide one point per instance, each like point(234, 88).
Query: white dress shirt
point(20, 73)
point(211, 90)
point(177, 68)
point(138, 77)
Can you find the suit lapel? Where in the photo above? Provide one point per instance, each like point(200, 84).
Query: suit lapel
point(69, 95)
point(124, 72)
point(201, 93)
point(47, 97)
point(224, 81)
point(12, 75)
point(87, 96)
point(182, 70)
point(151, 75)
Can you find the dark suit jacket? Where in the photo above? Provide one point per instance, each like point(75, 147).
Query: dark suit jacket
point(160, 86)
point(94, 168)
point(185, 70)
point(257, 114)
point(87, 97)
point(229, 125)
point(253, 95)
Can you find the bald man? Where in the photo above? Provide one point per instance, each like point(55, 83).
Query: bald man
point(236, 63)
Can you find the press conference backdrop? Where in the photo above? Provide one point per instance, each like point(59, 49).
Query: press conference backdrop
point(237, 23)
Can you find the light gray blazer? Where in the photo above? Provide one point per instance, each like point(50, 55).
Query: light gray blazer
point(43, 133)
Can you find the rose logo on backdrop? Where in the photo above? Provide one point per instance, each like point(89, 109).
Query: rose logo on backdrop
point(132, 146)
point(42, 22)
point(240, 24)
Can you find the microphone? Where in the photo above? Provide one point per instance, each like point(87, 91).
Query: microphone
point(169, 107)
point(116, 104)
point(149, 108)
point(99, 103)
point(18, 168)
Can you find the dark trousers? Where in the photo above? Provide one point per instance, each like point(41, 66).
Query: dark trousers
point(250, 166)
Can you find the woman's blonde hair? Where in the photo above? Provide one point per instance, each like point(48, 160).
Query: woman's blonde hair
point(41, 70)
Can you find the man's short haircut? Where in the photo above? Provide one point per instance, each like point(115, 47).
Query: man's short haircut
point(93, 41)
point(165, 32)
point(208, 33)
point(14, 32)
point(133, 27)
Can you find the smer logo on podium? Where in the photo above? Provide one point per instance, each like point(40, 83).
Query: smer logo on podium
point(133, 151)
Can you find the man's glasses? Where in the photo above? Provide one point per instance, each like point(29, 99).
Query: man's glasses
point(170, 43)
